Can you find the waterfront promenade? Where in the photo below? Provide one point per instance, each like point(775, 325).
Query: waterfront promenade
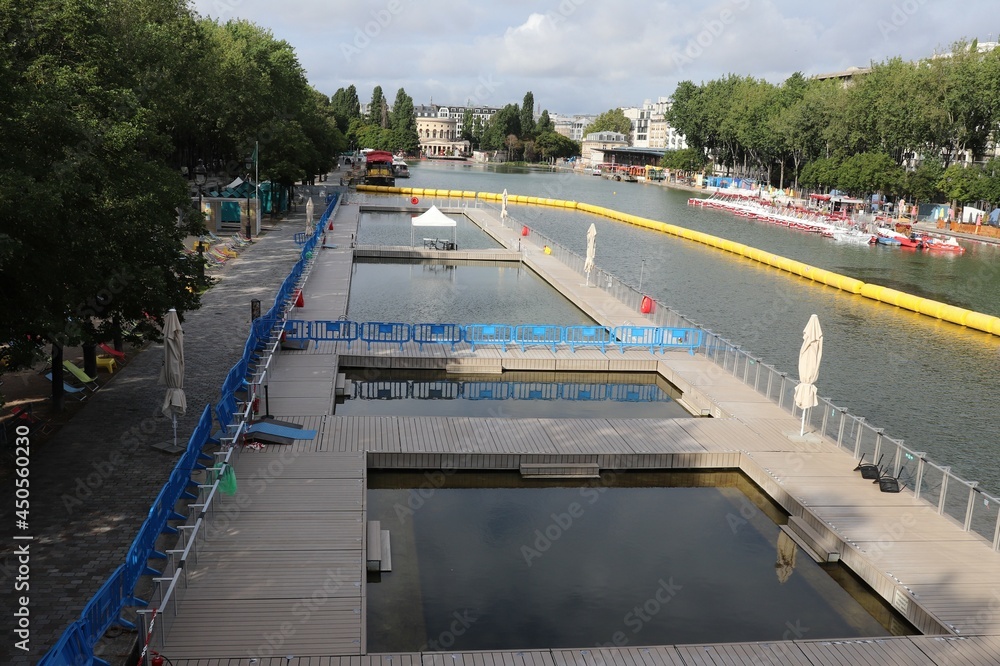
point(283, 577)
point(94, 480)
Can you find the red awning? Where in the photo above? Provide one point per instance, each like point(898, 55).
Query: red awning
point(820, 197)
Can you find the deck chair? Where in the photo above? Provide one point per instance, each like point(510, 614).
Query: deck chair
point(111, 351)
point(82, 377)
point(227, 407)
point(74, 391)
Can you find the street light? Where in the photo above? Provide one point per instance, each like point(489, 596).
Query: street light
point(248, 163)
point(199, 180)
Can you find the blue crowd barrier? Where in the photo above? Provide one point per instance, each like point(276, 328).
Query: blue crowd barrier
point(532, 334)
point(489, 334)
point(104, 608)
point(73, 647)
point(297, 330)
point(593, 336)
point(681, 338)
point(378, 331)
point(340, 330)
point(442, 334)
point(638, 336)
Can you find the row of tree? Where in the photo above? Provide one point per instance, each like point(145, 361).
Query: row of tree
point(512, 128)
point(105, 103)
point(862, 135)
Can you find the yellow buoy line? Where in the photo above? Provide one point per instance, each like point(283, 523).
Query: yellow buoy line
point(925, 306)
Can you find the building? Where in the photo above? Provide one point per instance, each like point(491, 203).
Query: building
point(650, 128)
point(571, 127)
point(596, 143)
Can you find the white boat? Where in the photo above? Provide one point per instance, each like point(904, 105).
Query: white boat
point(400, 168)
point(851, 236)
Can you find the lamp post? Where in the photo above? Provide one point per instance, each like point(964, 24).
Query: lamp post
point(248, 163)
point(199, 180)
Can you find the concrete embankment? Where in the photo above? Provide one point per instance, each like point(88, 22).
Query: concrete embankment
point(925, 306)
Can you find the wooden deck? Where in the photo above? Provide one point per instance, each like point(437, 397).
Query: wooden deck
point(283, 573)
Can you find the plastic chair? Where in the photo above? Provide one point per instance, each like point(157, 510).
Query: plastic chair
point(111, 351)
point(81, 376)
point(106, 362)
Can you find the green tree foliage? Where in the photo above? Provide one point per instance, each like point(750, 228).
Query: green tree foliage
point(947, 106)
point(504, 123)
point(378, 109)
point(527, 116)
point(685, 159)
point(551, 145)
point(346, 107)
point(468, 129)
point(612, 120)
point(404, 124)
point(104, 103)
point(545, 123)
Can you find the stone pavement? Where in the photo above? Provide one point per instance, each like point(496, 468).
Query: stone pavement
point(92, 483)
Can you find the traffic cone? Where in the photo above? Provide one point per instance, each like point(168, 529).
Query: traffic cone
point(330, 228)
point(299, 300)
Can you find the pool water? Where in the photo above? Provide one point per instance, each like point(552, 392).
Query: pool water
point(457, 292)
point(390, 392)
point(393, 228)
point(621, 560)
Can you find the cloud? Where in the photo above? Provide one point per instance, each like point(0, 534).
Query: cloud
point(581, 56)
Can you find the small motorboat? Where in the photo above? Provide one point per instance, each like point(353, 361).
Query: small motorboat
point(890, 237)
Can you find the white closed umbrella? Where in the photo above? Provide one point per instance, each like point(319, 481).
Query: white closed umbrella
point(310, 229)
point(503, 206)
point(172, 372)
point(588, 265)
point(810, 356)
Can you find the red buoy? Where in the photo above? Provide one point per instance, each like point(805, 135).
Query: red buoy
point(524, 231)
point(646, 306)
point(414, 201)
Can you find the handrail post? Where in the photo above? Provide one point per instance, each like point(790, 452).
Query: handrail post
point(878, 443)
point(996, 533)
point(971, 506)
point(921, 458)
point(843, 423)
point(857, 438)
point(781, 394)
point(826, 415)
point(944, 489)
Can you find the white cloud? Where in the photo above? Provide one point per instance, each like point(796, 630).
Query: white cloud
point(588, 56)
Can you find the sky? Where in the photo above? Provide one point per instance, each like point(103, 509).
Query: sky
point(588, 56)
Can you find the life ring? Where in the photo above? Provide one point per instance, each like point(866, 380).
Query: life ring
point(646, 306)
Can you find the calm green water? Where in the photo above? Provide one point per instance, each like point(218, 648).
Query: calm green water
point(492, 568)
point(930, 383)
point(460, 293)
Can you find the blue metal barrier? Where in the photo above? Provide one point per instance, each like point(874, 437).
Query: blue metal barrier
point(300, 237)
point(377, 331)
point(489, 334)
point(340, 330)
point(105, 607)
point(297, 330)
point(638, 336)
point(442, 334)
point(681, 338)
point(531, 334)
point(73, 647)
point(593, 336)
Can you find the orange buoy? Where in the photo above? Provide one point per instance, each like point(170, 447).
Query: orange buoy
point(524, 231)
point(646, 306)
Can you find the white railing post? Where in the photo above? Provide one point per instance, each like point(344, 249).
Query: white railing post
point(944, 489)
point(920, 473)
point(971, 506)
point(857, 440)
point(843, 424)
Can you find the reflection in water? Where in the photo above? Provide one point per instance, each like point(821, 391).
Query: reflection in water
point(379, 391)
point(585, 564)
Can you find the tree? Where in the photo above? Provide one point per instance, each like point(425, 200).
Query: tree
point(821, 173)
point(528, 116)
point(921, 184)
point(866, 173)
point(685, 159)
point(552, 145)
point(545, 124)
point(468, 120)
point(612, 120)
point(346, 107)
point(378, 109)
point(504, 122)
point(404, 124)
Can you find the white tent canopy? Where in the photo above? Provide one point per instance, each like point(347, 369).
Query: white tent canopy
point(434, 218)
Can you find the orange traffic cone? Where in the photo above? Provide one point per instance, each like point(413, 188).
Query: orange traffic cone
point(299, 301)
point(331, 225)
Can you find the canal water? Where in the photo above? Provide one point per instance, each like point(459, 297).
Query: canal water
point(933, 384)
point(616, 561)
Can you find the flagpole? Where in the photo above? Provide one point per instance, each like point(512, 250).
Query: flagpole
point(256, 179)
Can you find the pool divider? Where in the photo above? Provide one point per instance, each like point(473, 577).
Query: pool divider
point(918, 304)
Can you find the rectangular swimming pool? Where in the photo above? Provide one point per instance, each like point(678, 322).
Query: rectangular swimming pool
point(494, 562)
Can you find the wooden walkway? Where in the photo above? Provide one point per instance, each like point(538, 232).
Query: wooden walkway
point(284, 571)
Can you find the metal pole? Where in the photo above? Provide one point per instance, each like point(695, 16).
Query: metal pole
point(642, 266)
